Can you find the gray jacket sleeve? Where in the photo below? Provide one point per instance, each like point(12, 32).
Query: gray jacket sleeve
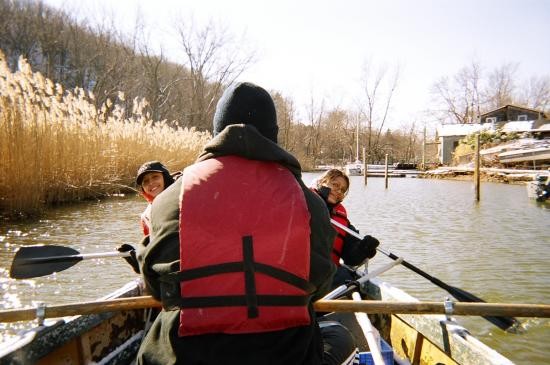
point(322, 236)
point(161, 255)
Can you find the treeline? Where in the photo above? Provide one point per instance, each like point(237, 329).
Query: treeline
point(98, 59)
point(104, 61)
point(473, 91)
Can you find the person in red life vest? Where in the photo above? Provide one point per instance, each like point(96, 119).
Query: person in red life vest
point(333, 187)
point(152, 178)
point(239, 250)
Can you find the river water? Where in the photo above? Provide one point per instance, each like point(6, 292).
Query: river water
point(497, 249)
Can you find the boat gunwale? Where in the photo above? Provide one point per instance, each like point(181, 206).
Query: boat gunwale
point(445, 333)
point(37, 342)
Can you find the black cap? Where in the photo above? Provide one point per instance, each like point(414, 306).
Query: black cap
point(151, 166)
point(246, 103)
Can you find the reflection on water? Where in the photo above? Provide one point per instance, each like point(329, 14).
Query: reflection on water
point(89, 227)
point(497, 249)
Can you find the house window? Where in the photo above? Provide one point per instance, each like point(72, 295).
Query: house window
point(522, 117)
point(491, 119)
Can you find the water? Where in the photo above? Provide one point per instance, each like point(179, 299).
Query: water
point(497, 249)
point(89, 227)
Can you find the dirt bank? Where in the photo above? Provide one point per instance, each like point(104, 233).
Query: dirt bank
point(486, 176)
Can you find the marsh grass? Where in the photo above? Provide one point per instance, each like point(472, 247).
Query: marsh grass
point(57, 147)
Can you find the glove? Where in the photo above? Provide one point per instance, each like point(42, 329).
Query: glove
point(132, 260)
point(324, 191)
point(368, 245)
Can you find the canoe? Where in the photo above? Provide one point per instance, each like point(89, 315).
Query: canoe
point(106, 338)
point(114, 337)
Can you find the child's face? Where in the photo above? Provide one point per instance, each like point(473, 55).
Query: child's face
point(153, 183)
point(338, 188)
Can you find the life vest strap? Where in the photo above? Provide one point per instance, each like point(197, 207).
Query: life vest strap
point(250, 299)
point(236, 301)
point(238, 266)
point(249, 278)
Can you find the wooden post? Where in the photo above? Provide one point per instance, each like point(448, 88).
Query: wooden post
point(365, 165)
point(477, 178)
point(386, 172)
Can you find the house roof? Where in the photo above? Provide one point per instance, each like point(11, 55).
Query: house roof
point(448, 130)
point(511, 106)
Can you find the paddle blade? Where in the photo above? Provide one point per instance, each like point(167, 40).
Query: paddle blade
point(508, 324)
point(35, 261)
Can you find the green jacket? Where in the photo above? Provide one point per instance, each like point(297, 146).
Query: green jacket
point(301, 345)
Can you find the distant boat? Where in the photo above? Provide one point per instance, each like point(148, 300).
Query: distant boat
point(539, 189)
point(354, 168)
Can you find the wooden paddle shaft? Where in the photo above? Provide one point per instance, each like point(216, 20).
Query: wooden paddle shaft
point(369, 306)
point(459, 308)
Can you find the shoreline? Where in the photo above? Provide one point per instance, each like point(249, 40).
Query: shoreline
point(465, 173)
point(505, 176)
point(484, 177)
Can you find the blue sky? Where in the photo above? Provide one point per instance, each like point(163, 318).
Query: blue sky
point(318, 48)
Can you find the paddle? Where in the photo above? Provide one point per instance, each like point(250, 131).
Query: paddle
point(505, 323)
point(347, 288)
point(35, 261)
point(332, 305)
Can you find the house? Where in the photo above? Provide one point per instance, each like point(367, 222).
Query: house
point(509, 118)
point(512, 113)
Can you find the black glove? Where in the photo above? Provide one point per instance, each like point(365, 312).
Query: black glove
point(324, 191)
point(132, 260)
point(368, 245)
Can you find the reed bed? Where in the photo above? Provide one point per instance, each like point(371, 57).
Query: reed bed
point(57, 147)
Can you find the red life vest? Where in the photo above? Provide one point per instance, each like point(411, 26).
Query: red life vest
point(145, 220)
point(244, 248)
point(340, 215)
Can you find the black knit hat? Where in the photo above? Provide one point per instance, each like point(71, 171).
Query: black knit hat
point(154, 166)
point(246, 103)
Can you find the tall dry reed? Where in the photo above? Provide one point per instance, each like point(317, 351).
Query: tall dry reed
point(56, 147)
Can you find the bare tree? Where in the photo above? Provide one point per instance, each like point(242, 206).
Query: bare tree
point(536, 93)
point(215, 59)
point(460, 99)
point(379, 87)
point(315, 113)
point(501, 87)
point(337, 138)
point(285, 118)
point(161, 83)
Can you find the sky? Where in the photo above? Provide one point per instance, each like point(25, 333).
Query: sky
point(317, 50)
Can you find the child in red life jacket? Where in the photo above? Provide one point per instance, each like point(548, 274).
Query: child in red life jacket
point(333, 187)
point(152, 179)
